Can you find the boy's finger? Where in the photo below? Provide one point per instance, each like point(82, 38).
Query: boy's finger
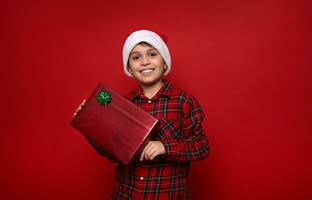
point(153, 155)
point(147, 157)
point(142, 156)
point(144, 152)
point(150, 150)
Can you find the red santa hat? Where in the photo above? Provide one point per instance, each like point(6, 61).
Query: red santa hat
point(157, 40)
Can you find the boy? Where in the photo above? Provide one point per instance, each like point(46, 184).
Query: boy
point(162, 169)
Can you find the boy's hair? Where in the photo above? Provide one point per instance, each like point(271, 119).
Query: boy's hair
point(145, 44)
point(146, 37)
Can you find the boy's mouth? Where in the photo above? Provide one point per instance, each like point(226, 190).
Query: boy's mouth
point(146, 72)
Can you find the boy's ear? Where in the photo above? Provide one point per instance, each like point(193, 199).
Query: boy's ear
point(129, 69)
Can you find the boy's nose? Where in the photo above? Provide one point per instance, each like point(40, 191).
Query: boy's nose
point(145, 60)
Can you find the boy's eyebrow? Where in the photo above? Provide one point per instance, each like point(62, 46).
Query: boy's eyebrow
point(133, 52)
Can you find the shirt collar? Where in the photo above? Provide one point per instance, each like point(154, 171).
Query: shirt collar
point(163, 91)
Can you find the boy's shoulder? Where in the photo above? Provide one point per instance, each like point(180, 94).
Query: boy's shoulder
point(177, 92)
point(183, 96)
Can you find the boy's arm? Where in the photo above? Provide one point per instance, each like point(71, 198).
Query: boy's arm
point(194, 143)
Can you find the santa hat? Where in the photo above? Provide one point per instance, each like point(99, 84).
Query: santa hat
point(158, 41)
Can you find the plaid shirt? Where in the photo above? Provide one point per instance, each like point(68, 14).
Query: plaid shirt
point(180, 131)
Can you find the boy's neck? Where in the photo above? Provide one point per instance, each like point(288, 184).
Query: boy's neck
point(150, 90)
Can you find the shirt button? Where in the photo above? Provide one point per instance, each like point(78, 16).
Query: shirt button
point(149, 101)
point(141, 178)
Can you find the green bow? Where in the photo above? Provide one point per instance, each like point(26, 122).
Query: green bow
point(104, 98)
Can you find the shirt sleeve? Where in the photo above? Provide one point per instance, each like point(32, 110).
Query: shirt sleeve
point(193, 144)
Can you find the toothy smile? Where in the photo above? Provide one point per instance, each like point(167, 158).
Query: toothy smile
point(146, 71)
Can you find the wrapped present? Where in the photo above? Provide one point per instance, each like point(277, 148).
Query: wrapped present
point(114, 124)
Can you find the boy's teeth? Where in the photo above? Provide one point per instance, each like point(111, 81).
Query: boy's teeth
point(146, 71)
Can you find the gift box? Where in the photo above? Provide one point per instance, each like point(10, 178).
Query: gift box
point(114, 124)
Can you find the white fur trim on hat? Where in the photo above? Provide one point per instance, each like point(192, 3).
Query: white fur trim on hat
point(149, 37)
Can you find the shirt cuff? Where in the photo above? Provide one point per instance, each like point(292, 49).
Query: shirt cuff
point(171, 148)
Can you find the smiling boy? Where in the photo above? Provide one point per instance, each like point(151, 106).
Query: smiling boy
point(161, 171)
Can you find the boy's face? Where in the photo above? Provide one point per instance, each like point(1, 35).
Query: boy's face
point(146, 64)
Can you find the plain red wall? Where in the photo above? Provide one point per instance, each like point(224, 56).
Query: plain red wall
point(248, 63)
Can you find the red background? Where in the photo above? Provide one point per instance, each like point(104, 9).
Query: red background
point(248, 63)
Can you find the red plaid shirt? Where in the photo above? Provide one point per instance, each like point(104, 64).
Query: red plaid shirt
point(180, 130)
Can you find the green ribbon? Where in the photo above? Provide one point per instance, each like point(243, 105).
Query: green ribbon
point(104, 98)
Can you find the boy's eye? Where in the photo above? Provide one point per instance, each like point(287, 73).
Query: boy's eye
point(135, 57)
point(153, 54)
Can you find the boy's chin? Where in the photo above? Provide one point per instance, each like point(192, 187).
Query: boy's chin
point(149, 81)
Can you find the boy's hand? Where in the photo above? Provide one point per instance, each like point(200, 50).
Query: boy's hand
point(151, 150)
point(80, 107)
